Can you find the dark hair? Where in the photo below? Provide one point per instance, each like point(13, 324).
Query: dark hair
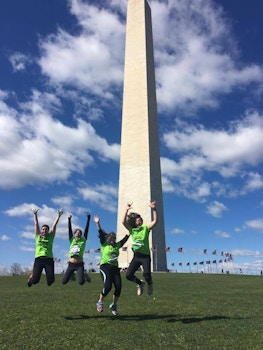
point(78, 229)
point(111, 233)
point(131, 218)
point(108, 235)
point(45, 226)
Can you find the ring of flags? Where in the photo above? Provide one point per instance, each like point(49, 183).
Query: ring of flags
point(225, 256)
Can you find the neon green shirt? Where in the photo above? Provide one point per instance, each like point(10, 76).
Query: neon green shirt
point(44, 245)
point(140, 239)
point(77, 246)
point(110, 253)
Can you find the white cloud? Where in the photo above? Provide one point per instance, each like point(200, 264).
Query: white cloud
point(177, 231)
point(101, 195)
point(19, 61)
point(254, 182)
point(222, 234)
point(46, 215)
point(84, 60)
point(196, 55)
point(227, 153)
point(23, 209)
point(33, 139)
point(5, 238)
point(224, 151)
point(27, 249)
point(167, 185)
point(216, 209)
point(246, 252)
point(256, 225)
point(63, 201)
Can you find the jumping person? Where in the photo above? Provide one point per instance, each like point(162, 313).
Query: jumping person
point(44, 251)
point(109, 267)
point(76, 252)
point(140, 246)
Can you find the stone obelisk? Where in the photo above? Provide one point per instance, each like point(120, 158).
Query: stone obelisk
point(140, 172)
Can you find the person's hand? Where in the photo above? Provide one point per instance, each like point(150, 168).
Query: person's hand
point(88, 214)
point(69, 217)
point(153, 205)
point(35, 210)
point(60, 212)
point(96, 219)
point(129, 206)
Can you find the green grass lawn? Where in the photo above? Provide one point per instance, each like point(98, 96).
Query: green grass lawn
point(186, 311)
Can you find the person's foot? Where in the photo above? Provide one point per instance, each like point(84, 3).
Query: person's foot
point(114, 309)
point(140, 288)
point(29, 281)
point(99, 306)
point(88, 278)
point(150, 289)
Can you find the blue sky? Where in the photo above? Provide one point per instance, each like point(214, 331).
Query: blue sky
point(61, 80)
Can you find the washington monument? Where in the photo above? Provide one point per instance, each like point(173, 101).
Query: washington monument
point(140, 172)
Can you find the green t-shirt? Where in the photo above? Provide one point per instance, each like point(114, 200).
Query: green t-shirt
point(110, 253)
point(44, 245)
point(140, 239)
point(77, 246)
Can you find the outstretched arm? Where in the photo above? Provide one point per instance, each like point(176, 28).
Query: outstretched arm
point(124, 240)
point(54, 226)
point(37, 230)
point(87, 226)
point(97, 222)
point(101, 232)
point(124, 218)
point(154, 215)
point(70, 233)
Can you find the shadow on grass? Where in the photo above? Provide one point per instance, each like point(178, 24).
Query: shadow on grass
point(166, 318)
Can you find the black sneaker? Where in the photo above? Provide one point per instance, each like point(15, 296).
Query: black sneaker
point(29, 281)
point(88, 279)
point(150, 289)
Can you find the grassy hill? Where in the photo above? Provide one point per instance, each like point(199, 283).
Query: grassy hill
point(186, 311)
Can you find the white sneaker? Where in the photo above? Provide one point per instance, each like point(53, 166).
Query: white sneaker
point(114, 309)
point(140, 288)
point(99, 306)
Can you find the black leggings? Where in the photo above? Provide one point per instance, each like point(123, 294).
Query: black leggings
point(110, 275)
point(137, 261)
point(79, 267)
point(40, 264)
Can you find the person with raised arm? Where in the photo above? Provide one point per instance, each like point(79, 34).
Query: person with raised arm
point(140, 247)
point(44, 259)
point(109, 267)
point(76, 252)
